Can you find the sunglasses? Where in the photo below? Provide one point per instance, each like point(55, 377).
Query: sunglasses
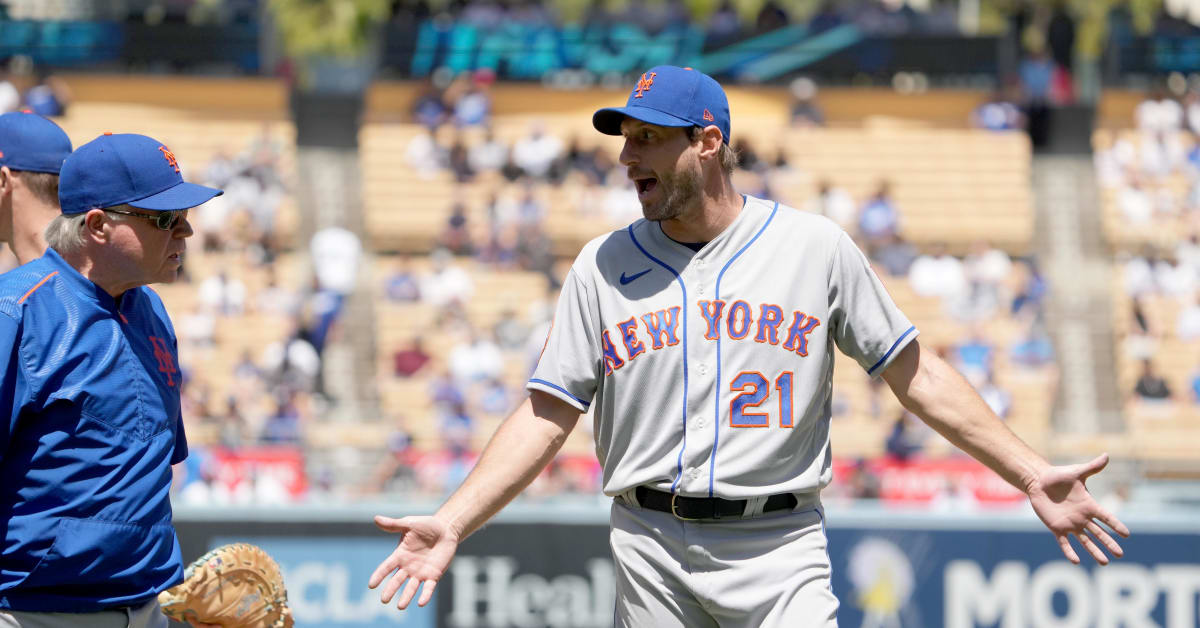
point(166, 221)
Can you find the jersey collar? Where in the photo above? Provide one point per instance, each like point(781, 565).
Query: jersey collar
point(84, 288)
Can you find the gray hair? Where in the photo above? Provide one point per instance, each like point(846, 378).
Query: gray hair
point(64, 234)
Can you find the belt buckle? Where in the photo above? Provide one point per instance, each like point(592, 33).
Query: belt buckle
point(676, 512)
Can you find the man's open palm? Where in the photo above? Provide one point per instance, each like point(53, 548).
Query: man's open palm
point(421, 557)
point(1061, 500)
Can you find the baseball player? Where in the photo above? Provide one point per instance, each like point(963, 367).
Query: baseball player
point(703, 336)
point(90, 389)
point(32, 150)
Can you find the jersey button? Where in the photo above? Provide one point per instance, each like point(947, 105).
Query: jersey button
point(699, 422)
point(703, 369)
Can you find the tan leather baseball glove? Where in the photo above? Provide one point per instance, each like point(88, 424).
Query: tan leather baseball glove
point(236, 586)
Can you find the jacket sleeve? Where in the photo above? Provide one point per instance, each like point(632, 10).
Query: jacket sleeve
point(14, 388)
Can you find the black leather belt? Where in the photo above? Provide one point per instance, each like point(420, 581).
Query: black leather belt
point(699, 508)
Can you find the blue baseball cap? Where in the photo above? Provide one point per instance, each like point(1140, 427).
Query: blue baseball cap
point(126, 168)
point(32, 143)
point(669, 95)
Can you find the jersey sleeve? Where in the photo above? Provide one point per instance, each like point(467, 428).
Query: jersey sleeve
point(866, 324)
point(180, 453)
point(569, 367)
point(14, 391)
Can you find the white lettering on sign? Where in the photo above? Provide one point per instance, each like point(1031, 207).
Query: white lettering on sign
point(489, 593)
point(1123, 595)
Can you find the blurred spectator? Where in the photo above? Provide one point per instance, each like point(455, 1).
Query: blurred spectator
point(1187, 324)
point(987, 269)
point(879, 220)
point(234, 431)
point(425, 156)
point(863, 484)
point(1060, 35)
point(1159, 113)
point(500, 251)
point(896, 256)
point(223, 295)
point(292, 363)
point(10, 97)
point(938, 274)
point(198, 327)
point(283, 424)
point(771, 16)
point(509, 331)
point(1135, 204)
point(495, 399)
point(1031, 288)
point(459, 162)
point(221, 168)
point(1194, 382)
point(1191, 114)
point(997, 113)
point(1141, 340)
point(444, 390)
point(724, 25)
point(429, 109)
point(274, 299)
point(535, 251)
point(474, 107)
point(456, 235)
point(825, 17)
point(805, 110)
point(1150, 386)
point(396, 469)
point(530, 208)
point(903, 442)
point(579, 159)
point(246, 369)
point(973, 357)
point(489, 154)
point(1036, 71)
point(411, 359)
point(336, 253)
point(535, 153)
point(476, 360)
point(1033, 348)
point(49, 97)
point(446, 283)
point(998, 399)
point(834, 203)
point(402, 285)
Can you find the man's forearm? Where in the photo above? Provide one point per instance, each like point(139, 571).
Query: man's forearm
point(931, 389)
point(522, 446)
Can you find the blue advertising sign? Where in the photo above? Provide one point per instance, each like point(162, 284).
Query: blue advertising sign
point(1009, 579)
point(550, 566)
point(326, 578)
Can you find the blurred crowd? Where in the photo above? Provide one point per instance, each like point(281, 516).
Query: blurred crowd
point(1152, 176)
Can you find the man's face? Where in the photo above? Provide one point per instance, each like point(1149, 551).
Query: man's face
point(151, 255)
point(664, 166)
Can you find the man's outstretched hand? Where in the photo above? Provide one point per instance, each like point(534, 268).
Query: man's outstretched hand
point(421, 557)
point(1061, 500)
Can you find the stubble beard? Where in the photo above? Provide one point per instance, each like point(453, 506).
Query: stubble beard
point(682, 188)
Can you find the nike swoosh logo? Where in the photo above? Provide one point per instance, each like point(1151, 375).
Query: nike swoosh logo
point(625, 280)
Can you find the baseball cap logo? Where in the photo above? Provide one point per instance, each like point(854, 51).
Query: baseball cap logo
point(644, 83)
point(708, 115)
point(170, 157)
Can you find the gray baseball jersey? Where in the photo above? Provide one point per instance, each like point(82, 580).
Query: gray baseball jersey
point(712, 371)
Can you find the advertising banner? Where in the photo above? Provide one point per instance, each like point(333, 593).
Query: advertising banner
point(547, 567)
